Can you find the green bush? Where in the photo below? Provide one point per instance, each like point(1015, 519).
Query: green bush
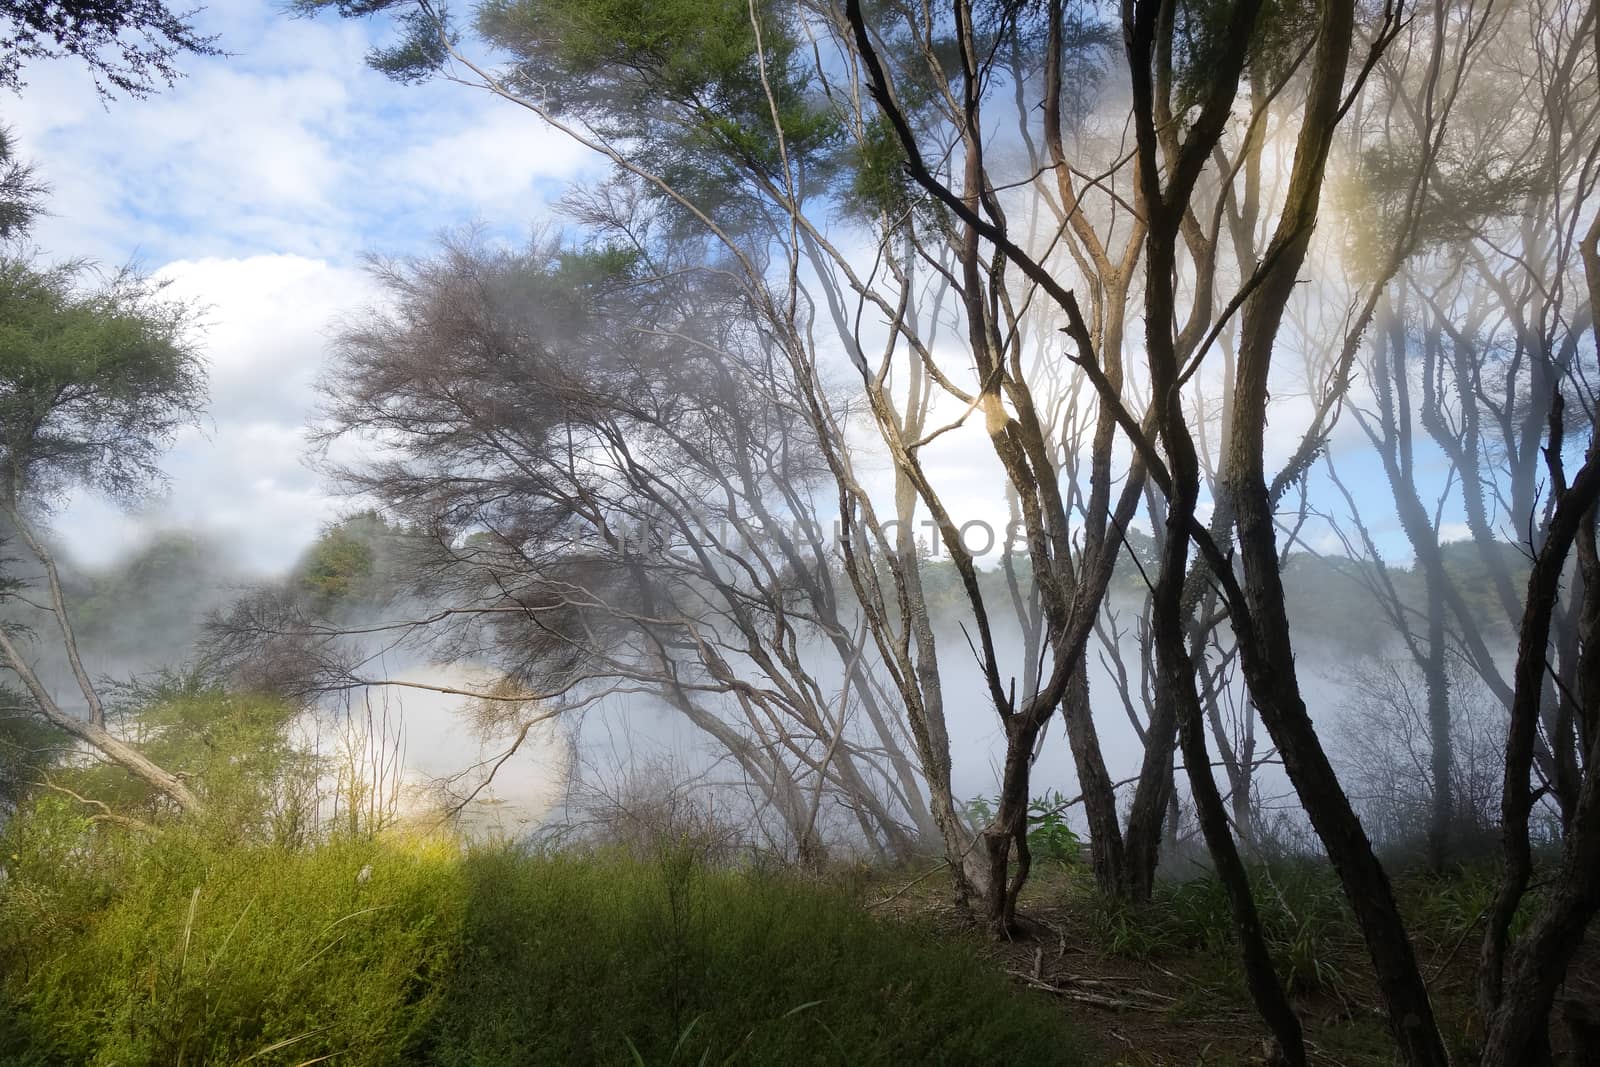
point(1051, 839)
point(1306, 923)
point(178, 947)
point(195, 951)
point(577, 960)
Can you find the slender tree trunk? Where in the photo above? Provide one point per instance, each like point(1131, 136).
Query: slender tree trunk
point(1519, 1028)
point(95, 735)
point(1147, 819)
point(1266, 990)
point(1266, 649)
point(1441, 741)
point(1268, 657)
point(1106, 855)
point(1541, 960)
point(1009, 828)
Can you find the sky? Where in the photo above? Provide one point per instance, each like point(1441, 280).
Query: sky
point(255, 186)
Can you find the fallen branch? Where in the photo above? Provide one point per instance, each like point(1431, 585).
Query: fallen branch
point(1095, 999)
point(103, 812)
point(1100, 1000)
point(924, 876)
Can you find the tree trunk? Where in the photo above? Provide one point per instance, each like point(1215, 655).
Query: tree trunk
point(1262, 979)
point(1519, 1028)
point(1106, 856)
point(96, 736)
point(1519, 1010)
point(1261, 622)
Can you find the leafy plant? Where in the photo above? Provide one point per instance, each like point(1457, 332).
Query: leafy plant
point(175, 945)
point(1051, 838)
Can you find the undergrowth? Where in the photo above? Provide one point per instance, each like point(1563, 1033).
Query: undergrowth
point(182, 947)
point(1315, 942)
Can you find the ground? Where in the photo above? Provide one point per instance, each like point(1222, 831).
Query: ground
point(1151, 994)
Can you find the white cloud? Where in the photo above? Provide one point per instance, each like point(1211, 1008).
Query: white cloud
point(497, 163)
point(253, 187)
point(266, 327)
point(243, 477)
point(289, 144)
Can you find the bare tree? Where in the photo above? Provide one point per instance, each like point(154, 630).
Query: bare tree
point(618, 493)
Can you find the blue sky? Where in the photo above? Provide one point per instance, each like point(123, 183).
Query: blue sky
point(255, 186)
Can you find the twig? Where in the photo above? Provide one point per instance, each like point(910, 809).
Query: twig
point(1098, 1000)
point(105, 814)
point(902, 890)
point(1465, 933)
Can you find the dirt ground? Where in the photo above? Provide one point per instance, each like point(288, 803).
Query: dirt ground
point(1172, 1008)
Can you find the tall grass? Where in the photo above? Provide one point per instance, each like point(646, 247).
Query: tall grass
point(1308, 925)
point(196, 951)
point(184, 948)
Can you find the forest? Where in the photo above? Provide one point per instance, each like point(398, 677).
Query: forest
point(1017, 531)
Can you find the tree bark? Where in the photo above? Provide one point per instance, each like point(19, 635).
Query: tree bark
point(96, 736)
point(1266, 647)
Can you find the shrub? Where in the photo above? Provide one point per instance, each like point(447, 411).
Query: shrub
point(199, 951)
point(179, 946)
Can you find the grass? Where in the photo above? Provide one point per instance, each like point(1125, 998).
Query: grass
point(1183, 941)
point(1307, 922)
point(184, 949)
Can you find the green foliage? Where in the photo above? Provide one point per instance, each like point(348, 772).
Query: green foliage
point(763, 969)
point(1303, 915)
point(1336, 611)
point(150, 605)
point(94, 379)
point(684, 79)
point(1468, 570)
point(1282, 29)
point(1316, 945)
point(339, 566)
point(234, 749)
point(1050, 838)
point(21, 192)
point(336, 568)
point(204, 951)
point(1199, 39)
point(878, 184)
point(702, 57)
point(129, 46)
point(683, 82)
point(197, 950)
point(26, 744)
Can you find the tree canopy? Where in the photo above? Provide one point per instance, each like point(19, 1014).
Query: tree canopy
point(131, 47)
point(96, 376)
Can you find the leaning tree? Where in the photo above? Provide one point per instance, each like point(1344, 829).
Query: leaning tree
point(96, 375)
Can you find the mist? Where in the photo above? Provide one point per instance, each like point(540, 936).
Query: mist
point(1056, 513)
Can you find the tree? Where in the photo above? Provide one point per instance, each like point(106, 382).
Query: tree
point(611, 493)
point(96, 375)
point(344, 567)
point(129, 46)
point(22, 193)
point(979, 154)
